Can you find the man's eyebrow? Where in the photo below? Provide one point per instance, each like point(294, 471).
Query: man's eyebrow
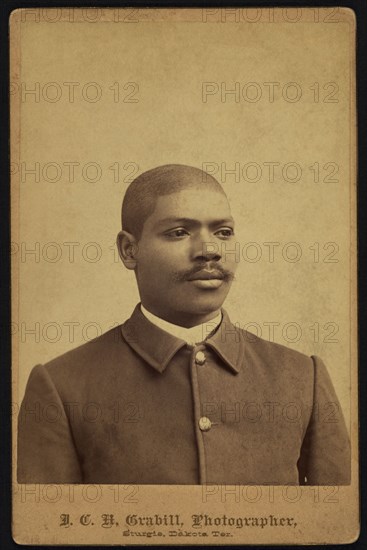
point(192, 221)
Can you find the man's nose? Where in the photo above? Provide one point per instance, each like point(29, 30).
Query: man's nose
point(206, 249)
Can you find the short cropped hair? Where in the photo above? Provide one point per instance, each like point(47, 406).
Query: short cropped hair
point(142, 194)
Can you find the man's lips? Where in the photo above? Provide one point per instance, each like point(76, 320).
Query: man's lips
point(206, 275)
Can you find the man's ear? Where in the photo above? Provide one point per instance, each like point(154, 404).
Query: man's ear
point(127, 247)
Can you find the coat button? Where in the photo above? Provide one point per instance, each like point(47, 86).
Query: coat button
point(200, 358)
point(204, 424)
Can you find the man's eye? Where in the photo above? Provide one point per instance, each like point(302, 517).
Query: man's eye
point(177, 233)
point(225, 232)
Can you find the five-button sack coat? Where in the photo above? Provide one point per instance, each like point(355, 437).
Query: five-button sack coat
point(139, 405)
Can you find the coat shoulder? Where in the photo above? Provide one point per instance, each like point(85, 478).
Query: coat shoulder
point(275, 354)
point(86, 357)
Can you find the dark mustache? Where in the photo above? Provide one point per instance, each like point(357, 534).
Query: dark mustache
point(187, 274)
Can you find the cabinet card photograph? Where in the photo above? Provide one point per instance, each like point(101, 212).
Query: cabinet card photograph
point(183, 243)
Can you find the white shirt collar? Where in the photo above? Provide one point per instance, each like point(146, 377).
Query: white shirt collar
point(191, 335)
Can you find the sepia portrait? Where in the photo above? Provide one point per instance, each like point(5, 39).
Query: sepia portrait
point(179, 355)
point(184, 272)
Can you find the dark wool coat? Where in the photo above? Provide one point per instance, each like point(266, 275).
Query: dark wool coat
point(138, 405)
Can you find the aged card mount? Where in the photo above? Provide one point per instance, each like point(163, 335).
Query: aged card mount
point(261, 99)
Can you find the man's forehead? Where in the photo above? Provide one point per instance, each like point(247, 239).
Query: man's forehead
point(192, 203)
point(190, 198)
point(172, 220)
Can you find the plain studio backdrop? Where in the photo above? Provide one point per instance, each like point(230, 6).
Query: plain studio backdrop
point(138, 95)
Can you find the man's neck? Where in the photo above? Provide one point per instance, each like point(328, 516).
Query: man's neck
point(182, 319)
point(191, 335)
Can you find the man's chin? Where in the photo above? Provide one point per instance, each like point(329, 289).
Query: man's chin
point(187, 300)
point(204, 299)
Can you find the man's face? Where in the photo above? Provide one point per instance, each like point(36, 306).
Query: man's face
point(184, 262)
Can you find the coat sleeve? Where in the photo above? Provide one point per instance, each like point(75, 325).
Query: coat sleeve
point(325, 454)
point(46, 451)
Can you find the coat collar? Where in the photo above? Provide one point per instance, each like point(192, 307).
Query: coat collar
point(157, 347)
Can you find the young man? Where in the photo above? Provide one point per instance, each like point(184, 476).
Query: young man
point(178, 394)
